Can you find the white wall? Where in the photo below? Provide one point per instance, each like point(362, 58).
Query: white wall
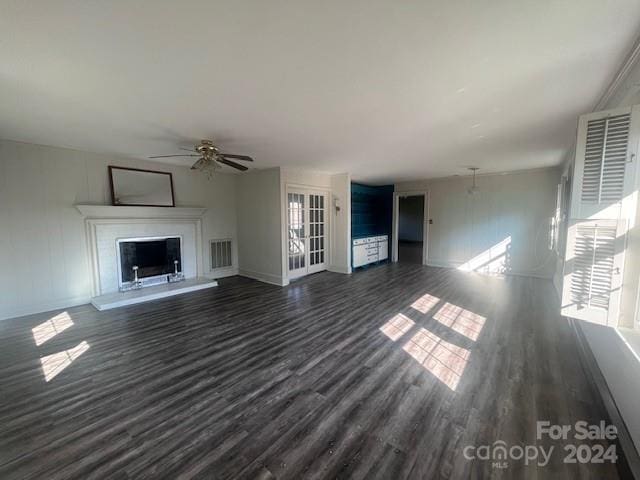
point(43, 258)
point(341, 221)
point(305, 178)
point(511, 209)
point(259, 226)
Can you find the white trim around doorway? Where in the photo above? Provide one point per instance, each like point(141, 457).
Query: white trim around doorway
point(425, 230)
point(308, 189)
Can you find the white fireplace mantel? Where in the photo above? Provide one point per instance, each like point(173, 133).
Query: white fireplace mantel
point(108, 211)
point(105, 224)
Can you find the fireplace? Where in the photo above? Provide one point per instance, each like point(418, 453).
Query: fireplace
point(149, 261)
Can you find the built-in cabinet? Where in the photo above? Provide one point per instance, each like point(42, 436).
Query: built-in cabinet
point(370, 250)
point(371, 216)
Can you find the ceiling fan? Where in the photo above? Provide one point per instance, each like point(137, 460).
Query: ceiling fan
point(210, 158)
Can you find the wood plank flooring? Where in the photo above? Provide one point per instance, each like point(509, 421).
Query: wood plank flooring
point(387, 373)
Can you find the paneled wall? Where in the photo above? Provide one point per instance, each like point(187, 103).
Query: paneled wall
point(371, 210)
point(259, 225)
point(505, 224)
point(43, 260)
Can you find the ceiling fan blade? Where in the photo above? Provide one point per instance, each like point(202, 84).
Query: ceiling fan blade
point(169, 156)
point(198, 164)
point(233, 164)
point(188, 149)
point(237, 157)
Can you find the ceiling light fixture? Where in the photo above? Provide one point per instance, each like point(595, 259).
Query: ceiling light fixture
point(473, 189)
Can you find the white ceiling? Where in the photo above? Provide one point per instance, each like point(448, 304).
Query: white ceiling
point(386, 90)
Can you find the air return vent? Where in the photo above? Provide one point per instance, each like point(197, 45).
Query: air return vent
point(221, 253)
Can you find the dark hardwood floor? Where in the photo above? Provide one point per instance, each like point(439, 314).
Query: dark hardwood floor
point(388, 373)
point(410, 252)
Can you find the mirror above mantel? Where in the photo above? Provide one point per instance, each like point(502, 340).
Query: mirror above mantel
point(137, 187)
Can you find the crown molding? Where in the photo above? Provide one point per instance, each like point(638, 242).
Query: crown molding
point(621, 76)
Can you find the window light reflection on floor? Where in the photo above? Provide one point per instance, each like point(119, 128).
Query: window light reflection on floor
point(425, 303)
point(442, 359)
point(53, 364)
point(49, 329)
point(397, 326)
point(460, 320)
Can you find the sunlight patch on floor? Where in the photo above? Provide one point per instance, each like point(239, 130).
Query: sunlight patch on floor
point(397, 326)
point(425, 303)
point(53, 364)
point(444, 360)
point(460, 320)
point(49, 329)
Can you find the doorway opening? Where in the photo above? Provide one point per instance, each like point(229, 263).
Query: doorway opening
point(411, 228)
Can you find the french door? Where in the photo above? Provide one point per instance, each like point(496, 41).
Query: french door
point(307, 232)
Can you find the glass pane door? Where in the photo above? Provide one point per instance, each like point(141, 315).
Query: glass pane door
point(307, 232)
point(317, 232)
point(297, 241)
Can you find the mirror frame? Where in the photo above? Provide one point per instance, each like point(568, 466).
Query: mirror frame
point(113, 196)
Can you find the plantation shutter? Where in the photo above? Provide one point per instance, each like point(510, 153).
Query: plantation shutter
point(592, 289)
point(601, 205)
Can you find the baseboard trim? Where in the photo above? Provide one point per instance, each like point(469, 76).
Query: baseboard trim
point(455, 266)
point(222, 273)
point(264, 277)
point(43, 307)
point(339, 269)
point(631, 458)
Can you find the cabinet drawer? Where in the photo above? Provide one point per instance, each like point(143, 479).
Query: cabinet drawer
point(359, 256)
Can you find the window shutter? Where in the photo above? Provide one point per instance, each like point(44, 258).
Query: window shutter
point(595, 256)
point(604, 167)
point(604, 178)
point(594, 251)
point(605, 159)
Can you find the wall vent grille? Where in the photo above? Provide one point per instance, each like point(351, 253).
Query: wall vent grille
point(221, 253)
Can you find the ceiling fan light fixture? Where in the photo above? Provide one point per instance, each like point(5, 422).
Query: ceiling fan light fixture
point(209, 167)
point(211, 159)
